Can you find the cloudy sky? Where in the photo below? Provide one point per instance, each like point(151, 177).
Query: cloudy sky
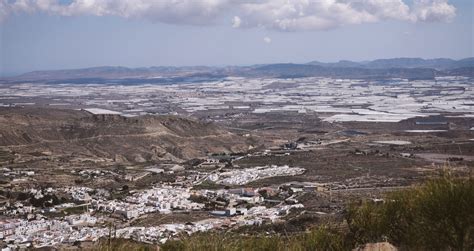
point(59, 34)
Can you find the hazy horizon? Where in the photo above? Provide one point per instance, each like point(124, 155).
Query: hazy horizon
point(76, 34)
point(217, 66)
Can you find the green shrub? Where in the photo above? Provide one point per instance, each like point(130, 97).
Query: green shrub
point(121, 244)
point(321, 238)
point(438, 215)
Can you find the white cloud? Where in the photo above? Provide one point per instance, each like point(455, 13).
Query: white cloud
point(296, 15)
point(3, 10)
point(267, 40)
point(433, 11)
point(236, 21)
point(194, 12)
point(166, 11)
point(282, 15)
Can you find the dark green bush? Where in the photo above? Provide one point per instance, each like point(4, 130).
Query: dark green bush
point(322, 238)
point(438, 215)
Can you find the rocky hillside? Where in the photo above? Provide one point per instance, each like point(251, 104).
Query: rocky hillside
point(79, 134)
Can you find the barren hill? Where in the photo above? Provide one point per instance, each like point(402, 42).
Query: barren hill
point(79, 134)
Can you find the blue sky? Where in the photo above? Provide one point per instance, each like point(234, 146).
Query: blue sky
point(213, 33)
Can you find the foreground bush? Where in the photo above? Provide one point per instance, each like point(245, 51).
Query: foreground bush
point(121, 244)
point(439, 215)
point(322, 238)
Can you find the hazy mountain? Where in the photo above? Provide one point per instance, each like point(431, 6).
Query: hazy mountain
point(299, 70)
point(115, 72)
point(462, 71)
point(412, 68)
point(437, 63)
point(342, 63)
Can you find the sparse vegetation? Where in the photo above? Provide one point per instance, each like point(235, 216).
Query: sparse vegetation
point(322, 238)
point(439, 215)
point(122, 244)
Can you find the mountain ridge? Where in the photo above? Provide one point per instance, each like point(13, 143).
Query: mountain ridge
point(411, 68)
point(402, 62)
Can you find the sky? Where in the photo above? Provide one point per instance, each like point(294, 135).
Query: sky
point(65, 34)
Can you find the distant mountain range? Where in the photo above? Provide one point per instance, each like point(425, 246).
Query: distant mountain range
point(437, 63)
point(410, 68)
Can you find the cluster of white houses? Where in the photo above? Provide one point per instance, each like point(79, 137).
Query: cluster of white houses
point(159, 199)
point(39, 232)
point(18, 233)
point(244, 176)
